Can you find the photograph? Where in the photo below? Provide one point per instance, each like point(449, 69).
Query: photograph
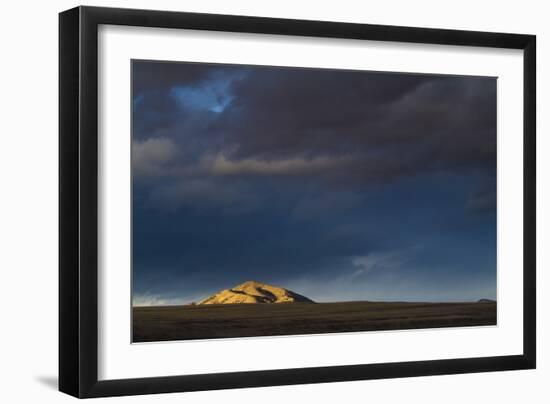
point(294, 199)
point(274, 200)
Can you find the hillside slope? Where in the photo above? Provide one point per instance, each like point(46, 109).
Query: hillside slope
point(255, 292)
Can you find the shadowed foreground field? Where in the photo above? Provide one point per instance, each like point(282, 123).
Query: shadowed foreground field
point(168, 323)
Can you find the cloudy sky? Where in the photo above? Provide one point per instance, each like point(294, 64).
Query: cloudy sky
point(339, 185)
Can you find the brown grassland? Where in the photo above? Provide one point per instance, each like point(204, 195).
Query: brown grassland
point(171, 323)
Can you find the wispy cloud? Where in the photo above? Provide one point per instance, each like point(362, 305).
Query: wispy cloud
point(148, 299)
point(221, 165)
point(379, 261)
point(482, 201)
point(170, 299)
point(150, 155)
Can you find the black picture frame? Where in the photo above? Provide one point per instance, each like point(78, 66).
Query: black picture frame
point(78, 201)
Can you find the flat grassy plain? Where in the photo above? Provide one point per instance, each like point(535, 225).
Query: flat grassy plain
point(171, 323)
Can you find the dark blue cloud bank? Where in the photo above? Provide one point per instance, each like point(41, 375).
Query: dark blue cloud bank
point(339, 185)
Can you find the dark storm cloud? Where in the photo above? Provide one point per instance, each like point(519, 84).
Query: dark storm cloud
point(385, 125)
point(156, 76)
point(359, 127)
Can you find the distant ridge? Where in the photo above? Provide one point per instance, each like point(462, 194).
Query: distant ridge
point(253, 292)
point(486, 301)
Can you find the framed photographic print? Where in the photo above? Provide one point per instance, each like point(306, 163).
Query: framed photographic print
point(320, 195)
